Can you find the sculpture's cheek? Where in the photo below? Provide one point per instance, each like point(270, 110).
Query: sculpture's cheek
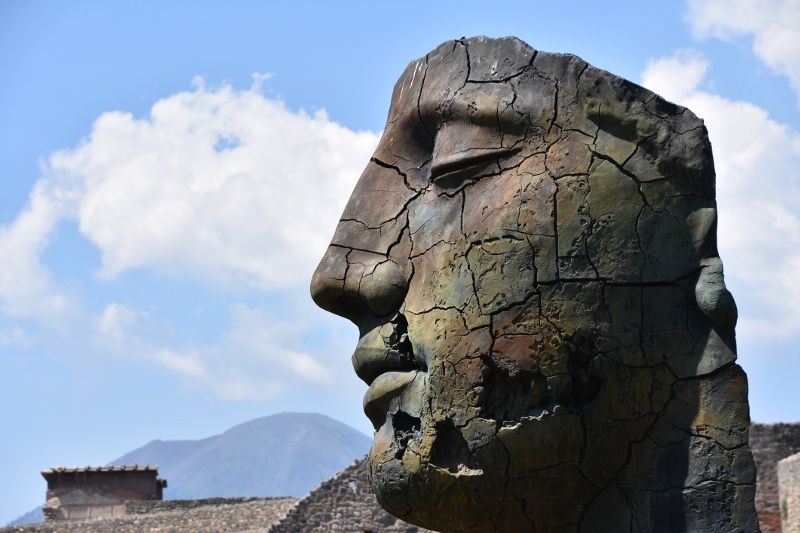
point(503, 273)
point(538, 444)
point(492, 207)
point(434, 219)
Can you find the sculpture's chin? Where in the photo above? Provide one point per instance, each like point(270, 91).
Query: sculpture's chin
point(430, 497)
point(411, 488)
point(430, 477)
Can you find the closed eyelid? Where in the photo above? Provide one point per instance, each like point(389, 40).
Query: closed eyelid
point(456, 164)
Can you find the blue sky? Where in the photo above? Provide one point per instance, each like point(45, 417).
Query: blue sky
point(171, 172)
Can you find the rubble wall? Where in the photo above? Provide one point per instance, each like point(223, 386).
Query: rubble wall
point(177, 516)
point(344, 502)
point(770, 443)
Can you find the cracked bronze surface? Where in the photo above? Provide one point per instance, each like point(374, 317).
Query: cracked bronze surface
point(531, 259)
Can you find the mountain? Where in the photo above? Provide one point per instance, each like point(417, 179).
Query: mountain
point(286, 454)
point(31, 517)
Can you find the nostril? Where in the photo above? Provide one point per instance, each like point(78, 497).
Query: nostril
point(354, 284)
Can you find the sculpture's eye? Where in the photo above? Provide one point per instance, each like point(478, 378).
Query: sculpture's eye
point(452, 171)
point(465, 150)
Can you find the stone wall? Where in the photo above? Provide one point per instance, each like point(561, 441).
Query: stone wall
point(161, 506)
point(770, 443)
point(347, 500)
point(187, 516)
point(789, 485)
point(344, 503)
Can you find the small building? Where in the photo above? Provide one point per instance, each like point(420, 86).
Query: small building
point(79, 493)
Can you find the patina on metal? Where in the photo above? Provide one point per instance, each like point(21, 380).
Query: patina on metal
point(531, 259)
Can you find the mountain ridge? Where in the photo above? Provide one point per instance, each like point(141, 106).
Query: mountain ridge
point(285, 454)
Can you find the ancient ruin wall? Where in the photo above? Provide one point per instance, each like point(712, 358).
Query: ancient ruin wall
point(338, 504)
point(178, 516)
point(789, 488)
point(344, 502)
point(770, 443)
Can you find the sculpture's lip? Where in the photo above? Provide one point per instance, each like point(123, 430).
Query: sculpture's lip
point(385, 389)
point(371, 362)
point(384, 360)
point(384, 348)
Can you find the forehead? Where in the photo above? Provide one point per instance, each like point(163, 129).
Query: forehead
point(619, 159)
point(481, 82)
point(468, 95)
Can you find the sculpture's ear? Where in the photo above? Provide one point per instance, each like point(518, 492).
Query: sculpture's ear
point(713, 298)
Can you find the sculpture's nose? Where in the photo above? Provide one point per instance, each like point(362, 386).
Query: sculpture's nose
point(366, 270)
point(358, 285)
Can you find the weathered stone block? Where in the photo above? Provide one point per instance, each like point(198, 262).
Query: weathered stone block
point(789, 489)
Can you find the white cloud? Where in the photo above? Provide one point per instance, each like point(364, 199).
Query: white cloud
point(13, 335)
point(252, 362)
point(773, 24)
point(227, 187)
point(25, 286)
point(677, 76)
point(120, 330)
point(758, 190)
point(257, 359)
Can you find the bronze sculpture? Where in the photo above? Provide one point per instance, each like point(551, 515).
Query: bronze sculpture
point(530, 257)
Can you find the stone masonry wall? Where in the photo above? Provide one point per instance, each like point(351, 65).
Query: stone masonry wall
point(161, 506)
point(343, 503)
point(770, 443)
point(218, 514)
point(789, 486)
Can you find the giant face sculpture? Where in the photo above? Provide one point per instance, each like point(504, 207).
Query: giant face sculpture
point(530, 257)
